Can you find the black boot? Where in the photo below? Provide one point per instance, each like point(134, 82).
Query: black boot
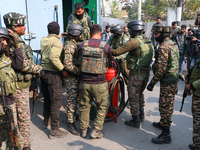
point(72, 129)
point(158, 125)
point(191, 146)
point(142, 115)
point(164, 137)
point(27, 148)
point(135, 122)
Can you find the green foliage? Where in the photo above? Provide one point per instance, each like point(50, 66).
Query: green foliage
point(115, 11)
point(133, 12)
point(190, 9)
point(153, 9)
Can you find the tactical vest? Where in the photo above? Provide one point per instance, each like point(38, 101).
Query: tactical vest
point(8, 75)
point(195, 74)
point(27, 54)
point(145, 59)
point(84, 23)
point(172, 74)
point(92, 59)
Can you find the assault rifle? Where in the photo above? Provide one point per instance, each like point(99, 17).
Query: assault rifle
point(184, 96)
point(35, 91)
point(8, 120)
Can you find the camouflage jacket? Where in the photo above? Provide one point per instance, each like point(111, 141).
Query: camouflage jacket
point(162, 73)
point(70, 61)
point(118, 42)
point(29, 66)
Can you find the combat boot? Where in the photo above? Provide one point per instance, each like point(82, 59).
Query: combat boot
point(191, 146)
point(135, 122)
point(142, 115)
point(96, 133)
point(158, 125)
point(84, 132)
point(57, 133)
point(164, 137)
point(72, 129)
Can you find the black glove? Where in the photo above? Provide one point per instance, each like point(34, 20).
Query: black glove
point(150, 87)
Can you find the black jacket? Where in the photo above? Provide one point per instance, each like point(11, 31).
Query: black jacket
point(177, 40)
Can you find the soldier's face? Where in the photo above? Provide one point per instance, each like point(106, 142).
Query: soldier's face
point(79, 11)
point(20, 29)
point(4, 42)
point(157, 34)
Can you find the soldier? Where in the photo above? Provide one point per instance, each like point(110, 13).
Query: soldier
point(115, 41)
point(16, 22)
point(81, 17)
point(140, 51)
point(158, 23)
point(10, 77)
point(167, 72)
point(51, 48)
point(94, 54)
point(194, 88)
point(71, 65)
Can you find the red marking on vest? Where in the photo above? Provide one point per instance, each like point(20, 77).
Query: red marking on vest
point(93, 44)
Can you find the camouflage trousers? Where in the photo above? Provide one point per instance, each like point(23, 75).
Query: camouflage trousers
point(135, 92)
point(166, 103)
point(100, 93)
point(196, 121)
point(123, 67)
point(23, 114)
point(3, 133)
point(72, 98)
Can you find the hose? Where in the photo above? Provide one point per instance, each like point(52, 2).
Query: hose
point(117, 79)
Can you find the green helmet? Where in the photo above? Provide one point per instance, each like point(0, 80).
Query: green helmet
point(14, 19)
point(164, 29)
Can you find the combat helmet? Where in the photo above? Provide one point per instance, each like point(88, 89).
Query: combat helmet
point(163, 29)
point(116, 28)
point(75, 30)
point(136, 25)
point(4, 33)
point(14, 19)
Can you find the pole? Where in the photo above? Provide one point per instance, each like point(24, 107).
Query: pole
point(139, 9)
point(179, 11)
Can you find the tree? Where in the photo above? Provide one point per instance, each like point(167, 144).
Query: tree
point(190, 9)
point(133, 12)
point(115, 10)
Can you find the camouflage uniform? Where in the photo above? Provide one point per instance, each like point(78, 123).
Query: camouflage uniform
point(84, 22)
point(71, 81)
point(116, 43)
point(24, 78)
point(194, 81)
point(167, 74)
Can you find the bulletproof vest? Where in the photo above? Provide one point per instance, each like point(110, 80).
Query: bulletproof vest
point(92, 59)
point(8, 75)
point(172, 74)
point(145, 59)
point(84, 23)
point(195, 73)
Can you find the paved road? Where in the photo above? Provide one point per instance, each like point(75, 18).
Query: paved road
point(118, 136)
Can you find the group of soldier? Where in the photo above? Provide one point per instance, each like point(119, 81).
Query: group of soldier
point(81, 64)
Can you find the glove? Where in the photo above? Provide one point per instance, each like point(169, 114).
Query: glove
point(150, 87)
point(15, 38)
